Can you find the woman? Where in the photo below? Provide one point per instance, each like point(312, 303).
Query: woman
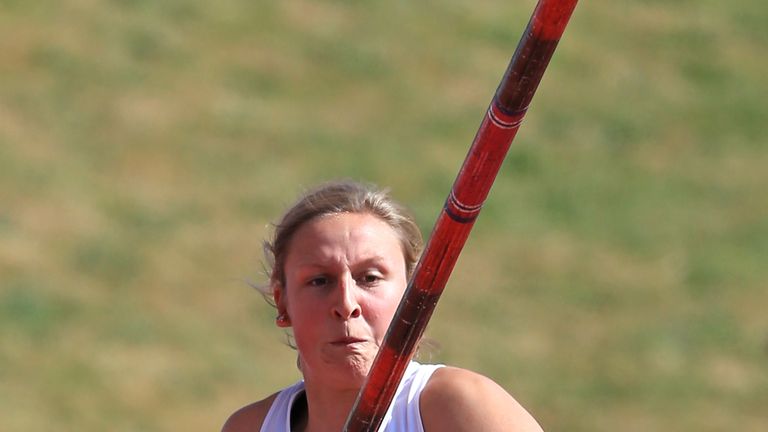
point(341, 258)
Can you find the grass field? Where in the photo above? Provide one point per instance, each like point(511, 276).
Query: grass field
point(616, 280)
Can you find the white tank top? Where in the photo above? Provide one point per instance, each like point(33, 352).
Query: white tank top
point(403, 414)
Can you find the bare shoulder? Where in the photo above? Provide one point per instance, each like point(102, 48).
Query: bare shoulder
point(250, 417)
point(460, 400)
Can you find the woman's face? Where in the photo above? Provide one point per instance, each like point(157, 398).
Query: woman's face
point(344, 277)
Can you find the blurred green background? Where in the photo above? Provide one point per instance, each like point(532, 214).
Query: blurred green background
point(616, 280)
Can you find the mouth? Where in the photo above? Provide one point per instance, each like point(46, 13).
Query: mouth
point(347, 341)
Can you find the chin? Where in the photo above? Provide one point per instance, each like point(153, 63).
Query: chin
point(351, 370)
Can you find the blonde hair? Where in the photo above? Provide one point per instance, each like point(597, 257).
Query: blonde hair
point(344, 196)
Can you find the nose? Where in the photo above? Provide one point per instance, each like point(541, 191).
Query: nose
point(346, 305)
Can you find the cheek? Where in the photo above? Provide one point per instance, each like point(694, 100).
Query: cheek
point(306, 330)
point(303, 315)
point(382, 311)
point(396, 294)
point(304, 319)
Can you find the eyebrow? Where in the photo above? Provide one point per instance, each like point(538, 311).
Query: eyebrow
point(377, 260)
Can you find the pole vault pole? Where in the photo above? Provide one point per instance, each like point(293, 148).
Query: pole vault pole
point(457, 217)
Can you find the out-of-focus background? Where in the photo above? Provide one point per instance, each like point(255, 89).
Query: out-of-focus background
point(616, 280)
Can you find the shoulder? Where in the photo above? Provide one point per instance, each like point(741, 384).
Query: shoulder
point(460, 400)
point(250, 417)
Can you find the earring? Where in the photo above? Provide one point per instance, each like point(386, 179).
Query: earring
point(282, 319)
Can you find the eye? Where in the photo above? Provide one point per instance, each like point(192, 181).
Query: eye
point(318, 281)
point(370, 279)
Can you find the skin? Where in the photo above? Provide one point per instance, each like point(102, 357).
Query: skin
point(345, 275)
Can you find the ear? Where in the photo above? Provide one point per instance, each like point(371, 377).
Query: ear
point(282, 320)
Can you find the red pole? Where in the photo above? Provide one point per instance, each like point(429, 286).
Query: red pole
point(464, 202)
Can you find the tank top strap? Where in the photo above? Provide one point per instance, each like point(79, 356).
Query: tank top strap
point(278, 418)
point(404, 415)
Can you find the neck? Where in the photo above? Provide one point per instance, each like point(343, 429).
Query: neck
point(327, 407)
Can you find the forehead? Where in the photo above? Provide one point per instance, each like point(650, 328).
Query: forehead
point(344, 236)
